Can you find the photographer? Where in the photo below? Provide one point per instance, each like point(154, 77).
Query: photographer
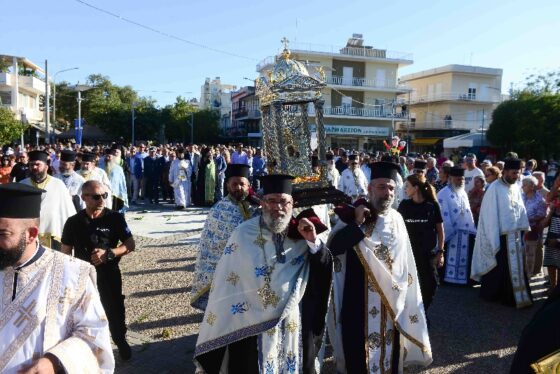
point(93, 235)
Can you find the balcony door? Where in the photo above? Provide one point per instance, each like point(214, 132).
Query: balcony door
point(347, 74)
point(380, 79)
point(347, 105)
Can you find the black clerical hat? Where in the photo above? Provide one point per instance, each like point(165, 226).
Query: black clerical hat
point(237, 170)
point(38, 156)
point(457, 171)
point(329, 157)
point(67, 156)
point(277, 183)
point(512, 164)
point(88, 157)
point(352, 157)
point(420, 164)
point(384, 169)
point(18, 200)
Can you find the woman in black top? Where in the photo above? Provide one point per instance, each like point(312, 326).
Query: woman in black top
point(424, 224)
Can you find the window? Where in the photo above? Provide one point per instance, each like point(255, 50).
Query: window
point(5, 98)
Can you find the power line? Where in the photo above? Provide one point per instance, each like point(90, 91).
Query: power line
point(171, 36)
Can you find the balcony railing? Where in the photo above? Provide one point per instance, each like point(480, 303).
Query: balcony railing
point(455, 96)
point(362, 82)
point(373, 111)
point(246, 114)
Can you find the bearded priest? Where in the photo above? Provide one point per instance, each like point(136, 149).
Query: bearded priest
point(498, 257)
point(377, 302)
point(51, 317)
point(268, 301)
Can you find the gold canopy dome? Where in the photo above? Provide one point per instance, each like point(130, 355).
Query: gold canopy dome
point(286, 68)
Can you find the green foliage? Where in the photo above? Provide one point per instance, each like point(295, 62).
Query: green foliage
point(530, 122)
point(10, 128)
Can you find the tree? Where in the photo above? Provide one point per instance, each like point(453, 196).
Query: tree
point(10, 127)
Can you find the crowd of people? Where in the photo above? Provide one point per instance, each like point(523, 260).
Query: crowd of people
point(414, 222)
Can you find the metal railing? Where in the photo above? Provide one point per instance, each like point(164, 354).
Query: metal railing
point(362, 82)
point(458, 96)
point(373, 111)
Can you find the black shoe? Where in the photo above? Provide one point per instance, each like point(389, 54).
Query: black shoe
point(124, 350)
point(180, 207)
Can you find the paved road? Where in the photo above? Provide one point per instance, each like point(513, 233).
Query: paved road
point(467, 334)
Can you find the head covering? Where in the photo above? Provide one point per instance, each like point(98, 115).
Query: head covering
point(19, 200)
point(38, 156)
point(512, 164)
point(329, 157)
point(67, 156)
point(384, 169)
point(352, 157)
point(237, 170)
point(277, 183)
point(88, 157)
point(456, 171)
point(420, 164)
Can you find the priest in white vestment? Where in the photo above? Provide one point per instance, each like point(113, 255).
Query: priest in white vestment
point(115, 173)
point(458, 224)
point(377, 303)
point(268, 300)
point(180, 173)
point(498, 262)
point(56, 203)
point(90, 172)
point(51, 317)
point(333, 176)
point(72, 180)
point(222, 219)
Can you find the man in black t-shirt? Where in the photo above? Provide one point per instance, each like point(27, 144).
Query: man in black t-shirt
point(20, 170)
point(94, 235)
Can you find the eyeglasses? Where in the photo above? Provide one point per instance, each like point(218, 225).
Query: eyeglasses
point(97, 197)
point(282, 203)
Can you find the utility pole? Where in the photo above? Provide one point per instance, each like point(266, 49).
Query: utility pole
point(133, 118)
point(47, 105)
point(192, 127)
point(482, 132)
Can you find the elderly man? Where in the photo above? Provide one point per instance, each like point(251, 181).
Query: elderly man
point(432, 173)
point(420, 166)
point(377, 302)
point(101, 237)
point(540, 188)
point(115, 173)
point(56, 204)
point(269, 296)
point(72, 180)
point(90, 172)
point(499, 247)
point(52, 318)
point(222, 219)
point(458, 224)
point(352, 180)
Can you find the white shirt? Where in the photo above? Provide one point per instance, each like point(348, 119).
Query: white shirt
point(469, 178)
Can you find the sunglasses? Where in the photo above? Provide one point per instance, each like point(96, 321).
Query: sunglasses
point(97, 197)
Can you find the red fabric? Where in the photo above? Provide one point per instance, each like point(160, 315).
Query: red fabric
point(346, 211)
point(293, 232)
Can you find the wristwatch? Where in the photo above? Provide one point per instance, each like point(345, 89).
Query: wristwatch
point(110, 255)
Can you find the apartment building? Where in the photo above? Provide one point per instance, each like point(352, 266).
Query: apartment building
point(21, 84)
point(215, 95)
point(361, 92)
point(448, 101)
point(246, 117)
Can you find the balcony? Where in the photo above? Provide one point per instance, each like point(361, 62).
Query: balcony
point(372, 111)
point(29, 83)
point(366, 83)
point(456, 96)
point(243, 114)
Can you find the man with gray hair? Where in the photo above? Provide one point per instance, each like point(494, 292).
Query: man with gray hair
point(540, 188)
point(432, 173)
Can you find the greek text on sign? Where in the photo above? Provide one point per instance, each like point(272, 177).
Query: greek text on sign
point(355, 130)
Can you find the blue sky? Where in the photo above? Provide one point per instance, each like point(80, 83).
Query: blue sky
point(521, 37)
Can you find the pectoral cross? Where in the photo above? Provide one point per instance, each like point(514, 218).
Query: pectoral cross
point(25, 314)
point(67, 296)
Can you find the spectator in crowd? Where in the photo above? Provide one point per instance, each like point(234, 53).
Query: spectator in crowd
point(476, 194)
point(20, 170)
point(5, 170)
point(471, 171)
point(491, 174)
point(536, 208)
point(259, 168)
point(541, 189)
point(239, 156)
point(153, 168)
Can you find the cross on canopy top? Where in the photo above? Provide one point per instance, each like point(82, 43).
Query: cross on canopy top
point(285, 41)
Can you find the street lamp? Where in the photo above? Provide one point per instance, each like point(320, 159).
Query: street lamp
point(54, 91)
point(80, 88)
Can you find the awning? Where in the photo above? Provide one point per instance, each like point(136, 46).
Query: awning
point(468, 140)
point(425, 141)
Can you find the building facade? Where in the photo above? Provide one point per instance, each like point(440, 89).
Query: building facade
point(361, 92)
point(21, 84)
point(217, 96)
point(245, 118)
point(448, 101)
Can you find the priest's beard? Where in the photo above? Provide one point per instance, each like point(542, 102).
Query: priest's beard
point(10, 256)
point(109, 166)
point(381, 204)
point(458, 188)
point(276, 225)
point(238, 195)
point(38, 176)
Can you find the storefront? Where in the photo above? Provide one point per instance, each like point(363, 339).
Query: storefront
point(369, 138)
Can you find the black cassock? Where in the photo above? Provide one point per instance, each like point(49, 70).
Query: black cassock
point(540, 337)
point(244, 356)
point(352, 314)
